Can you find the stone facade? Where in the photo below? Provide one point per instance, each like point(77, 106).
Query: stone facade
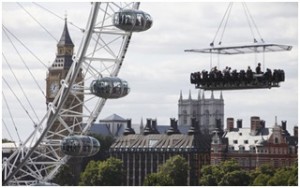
point(206, 111)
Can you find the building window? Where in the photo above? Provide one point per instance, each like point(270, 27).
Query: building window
point(245, 141)
point(241, 148)
point(235, 141)
point(240, 134)
point(185, 120)
point(276, 140)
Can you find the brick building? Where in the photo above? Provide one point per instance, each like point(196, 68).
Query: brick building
point(256, 145)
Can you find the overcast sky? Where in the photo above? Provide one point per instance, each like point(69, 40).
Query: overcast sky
point(156, 66)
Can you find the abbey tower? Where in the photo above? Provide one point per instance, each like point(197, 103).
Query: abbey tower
point(206, 111)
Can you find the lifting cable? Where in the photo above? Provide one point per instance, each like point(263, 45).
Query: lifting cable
point(221, 38)
point(251, 18)
point(10, 114)
point(226, 12)
point(5, 28)
point(20, 87)
point(37, 22)
point(249, 23)
point(252, 24)
point(81, 29)
point(24, 63)
point(18, 99)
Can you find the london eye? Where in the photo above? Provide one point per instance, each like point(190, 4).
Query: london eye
point(77, 99)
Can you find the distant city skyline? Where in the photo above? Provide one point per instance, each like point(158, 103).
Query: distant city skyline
point(156, 66)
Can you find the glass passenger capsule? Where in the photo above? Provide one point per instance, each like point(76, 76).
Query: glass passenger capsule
point(132, 20)
point(80, 146)
point(110, 88)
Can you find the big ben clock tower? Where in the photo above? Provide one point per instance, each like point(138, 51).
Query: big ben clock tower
point(57, 72)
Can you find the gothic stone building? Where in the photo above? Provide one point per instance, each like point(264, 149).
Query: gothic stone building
point(205, 110)
point(254, 146)
point(142, 154)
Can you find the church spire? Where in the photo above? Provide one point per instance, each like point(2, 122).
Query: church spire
point(190, 95)
point(65, 39)
point(180, 98)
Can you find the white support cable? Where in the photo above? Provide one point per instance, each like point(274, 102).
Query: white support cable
point(107, 48)
point(37, 22)
point(249, 23)
point(63, 123)
point(212, 43)
point(262, 40)
point(71, 23)
point(24, 94)
point(99, 34)
point(23, 61)
point(224, 28)
point(104, 46)
point(25, 46)
point(109, 32)
point(18, 99)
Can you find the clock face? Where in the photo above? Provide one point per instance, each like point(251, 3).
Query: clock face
point(54, 87)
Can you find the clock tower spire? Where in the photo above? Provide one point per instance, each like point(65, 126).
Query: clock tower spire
point(65, 48)
point(61, 65)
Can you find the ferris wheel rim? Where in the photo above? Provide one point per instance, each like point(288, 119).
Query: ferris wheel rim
point(54, 110)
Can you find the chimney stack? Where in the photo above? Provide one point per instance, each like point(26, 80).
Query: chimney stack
point(255, 124)
point(128, 129)
point(239, 123)
point(296, 131)
point(283, 125)
point(154, 126)
point(148, 129)
point(129, 123)
point(173, 128)
point(230, 124)
point(262, 124)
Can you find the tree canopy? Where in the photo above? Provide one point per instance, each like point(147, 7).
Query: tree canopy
point(225, 173)
point(102, 173)
point(173, 172)
point(229, 173)
point(5, 140)
point(64, 177)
